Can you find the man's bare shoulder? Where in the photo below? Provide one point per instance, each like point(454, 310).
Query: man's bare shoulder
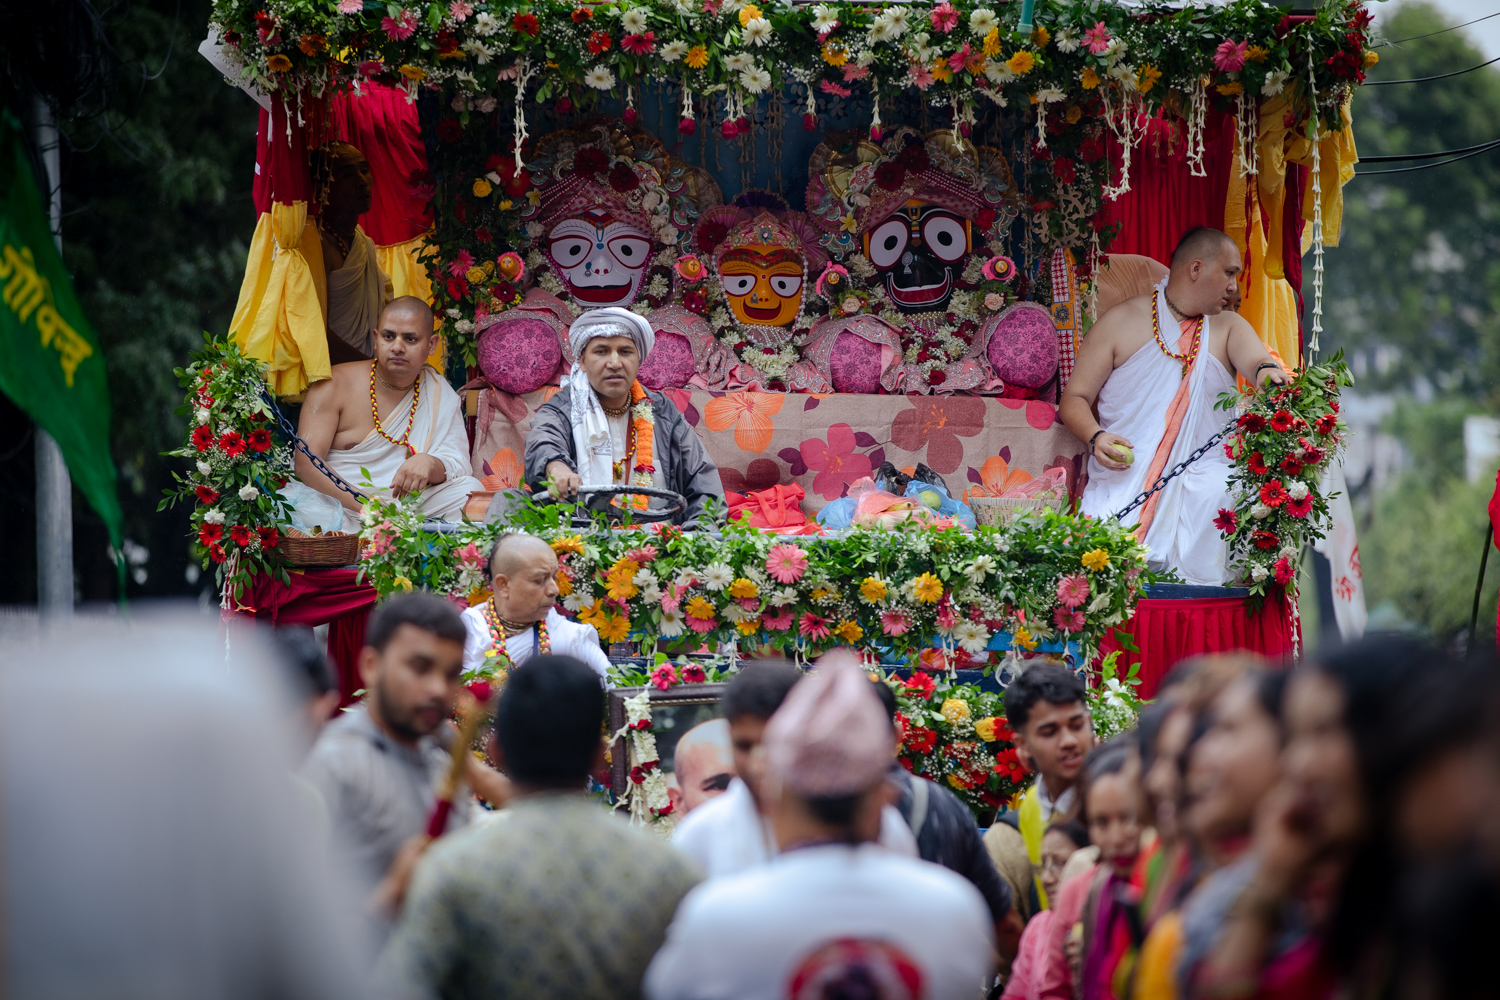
point(1124, 319)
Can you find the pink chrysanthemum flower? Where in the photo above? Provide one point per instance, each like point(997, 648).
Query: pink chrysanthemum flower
point(1067, 621)
point(944, 17)
point(1230, 56)
point(399, 30)
point(786, 563)
point(1072, 590)
point(894, 623)
point(780, 621)
point(814, 626)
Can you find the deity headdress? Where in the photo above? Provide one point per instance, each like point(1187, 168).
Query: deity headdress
point(852, 177)
point(730, 227)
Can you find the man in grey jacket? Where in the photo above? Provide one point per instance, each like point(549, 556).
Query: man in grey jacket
point(593, 431)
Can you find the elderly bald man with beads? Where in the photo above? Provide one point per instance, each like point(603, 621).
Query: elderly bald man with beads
point(520, 619)
point(395, 417)
point(604, 428)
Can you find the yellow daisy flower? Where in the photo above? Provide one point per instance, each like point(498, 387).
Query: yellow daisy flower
point(872, 590)
point(1095, 559)
point(743, 588)
point(1089, 79)
point(697, 57)
point(1021, 63)
point(927, 588)
point(834, 54)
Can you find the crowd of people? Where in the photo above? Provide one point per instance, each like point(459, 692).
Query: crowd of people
point(1323, 830)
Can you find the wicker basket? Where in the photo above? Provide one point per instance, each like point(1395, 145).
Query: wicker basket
point(996, 511)
point(332, 548)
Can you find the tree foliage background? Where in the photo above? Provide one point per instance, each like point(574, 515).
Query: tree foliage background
point(156, 221)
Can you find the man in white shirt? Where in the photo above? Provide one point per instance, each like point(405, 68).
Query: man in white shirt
point(833, 914)
point(729, 833)
point(520, 619)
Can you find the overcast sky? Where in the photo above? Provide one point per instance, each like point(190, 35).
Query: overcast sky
point(1485, 34)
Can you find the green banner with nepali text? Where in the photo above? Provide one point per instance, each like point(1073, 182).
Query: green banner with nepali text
point(52, 366)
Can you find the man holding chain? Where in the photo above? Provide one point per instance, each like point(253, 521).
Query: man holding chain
point(1148, 377)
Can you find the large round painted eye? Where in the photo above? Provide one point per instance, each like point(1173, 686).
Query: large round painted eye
point(630, 250)
point(738, 284)
point(887, 242)
point(945, 237)
point(570, 250)
point(786, 285)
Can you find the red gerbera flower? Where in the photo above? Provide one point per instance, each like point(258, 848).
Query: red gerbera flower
point(921, 683)
point(1272, 495)
point(581, 14)
point(599, 42)
point(1258, 464)
point(1281, 421)
point(216, 553)
point(1253, 423)
point(1265, 539)
point(1312, 454)
point(526, 24)
point(1300, 508)
point(1283, 569)
point(203, 437)
point(260, 440)
point(1326, 423)
point(241, 535)
point(1227, 520)
point(269, 536)
point(922, 739)
point(206, 496)
point(208, 534)
point(232, 443)
point(1291, 466)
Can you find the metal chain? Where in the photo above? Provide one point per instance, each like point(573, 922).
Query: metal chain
point(1178, 469)
point(301, 445)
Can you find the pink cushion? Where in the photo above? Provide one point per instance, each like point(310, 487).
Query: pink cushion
point(670, 363)
point(855, 364)
point(519, 355)
point(1023, 346)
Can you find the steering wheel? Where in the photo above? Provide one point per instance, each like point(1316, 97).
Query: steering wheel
point(677, 501)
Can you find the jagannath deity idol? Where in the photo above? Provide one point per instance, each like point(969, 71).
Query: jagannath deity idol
point(603, 226)
point(918, 280)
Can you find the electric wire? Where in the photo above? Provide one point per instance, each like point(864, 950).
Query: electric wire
point(1428, 79)
point(1430, 156)
point(1425, 166)
point(1413, 38)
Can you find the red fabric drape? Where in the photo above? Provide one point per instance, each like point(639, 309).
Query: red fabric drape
point(316, 597)
point(383, 124)
point(1167, 631)
point(281, 145)
point(1165, 200)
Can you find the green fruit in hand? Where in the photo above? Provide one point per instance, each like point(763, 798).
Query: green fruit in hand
point(930, 498)
point(1129, 458)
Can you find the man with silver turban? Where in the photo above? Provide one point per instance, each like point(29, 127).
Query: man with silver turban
point(603, 428)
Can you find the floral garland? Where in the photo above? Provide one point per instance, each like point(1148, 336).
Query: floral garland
point(956, 734)
point(1283, 442)
point(238, 468)
point(1043, 578)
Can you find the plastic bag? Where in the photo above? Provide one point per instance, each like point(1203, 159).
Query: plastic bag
point(934, 497)
point(312, 512)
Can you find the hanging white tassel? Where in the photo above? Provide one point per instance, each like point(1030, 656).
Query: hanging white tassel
point(1197, 122)
point(1247, 134)
point(687, 102)
point(522, 79)
point(875, 132)
point(1041, 124)
point(1317, 194)
point(1126, 124)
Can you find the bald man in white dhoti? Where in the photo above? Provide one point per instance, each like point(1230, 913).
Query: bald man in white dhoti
point(395, 417)
point(1156, 365)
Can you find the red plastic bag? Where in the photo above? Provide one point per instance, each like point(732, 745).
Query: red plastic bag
point(778, 507)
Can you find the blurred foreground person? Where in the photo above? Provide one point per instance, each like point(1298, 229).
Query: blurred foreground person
point(150, 842)
point(554, 898)
point(732, 832)
point(380, 764)
point(1313, 889)
point(1062, 839)
point(832, 915)
point(311, 675)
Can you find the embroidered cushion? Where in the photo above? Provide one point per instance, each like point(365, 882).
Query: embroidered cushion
point(855, 364)
point(519, 355)
point(1023, 346)
point(670, 363)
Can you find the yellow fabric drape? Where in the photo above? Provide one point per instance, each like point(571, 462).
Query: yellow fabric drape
point(279, 318)
point(1267, 303)
point(1337, 156)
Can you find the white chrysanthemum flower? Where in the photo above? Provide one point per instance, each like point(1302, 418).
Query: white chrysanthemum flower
point(248, 493)
point(1260, 512)
point(755, 80)
point(784, 595)
point(899, 20)
point(717, 576)
point(575, 603)
point(464, 327)
point(643, 578)
point(1065, 41)
point(1125, 73)
point(486, 25)
point(1051, 95)
point(998, 73)
point(732, 612)
point(1287, 552)
point(981, 567)
point(685, 6)
point(204, 468)
point(634, 21)
point(757, 31)
point(825, 18)
point(651, 593)
point(453, 312)
point(972, 636)
point(738, 62)
point(1275, 82)
point(982, 20)
point(1258, 572)
point(1297, 490)
point(600, 78)
point(213, 516)
point(730, 6)
point(1001, 543)
point(880, 31)
point(673, 51)
point(672, 624)
point(480, 51)
point(202, 415)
